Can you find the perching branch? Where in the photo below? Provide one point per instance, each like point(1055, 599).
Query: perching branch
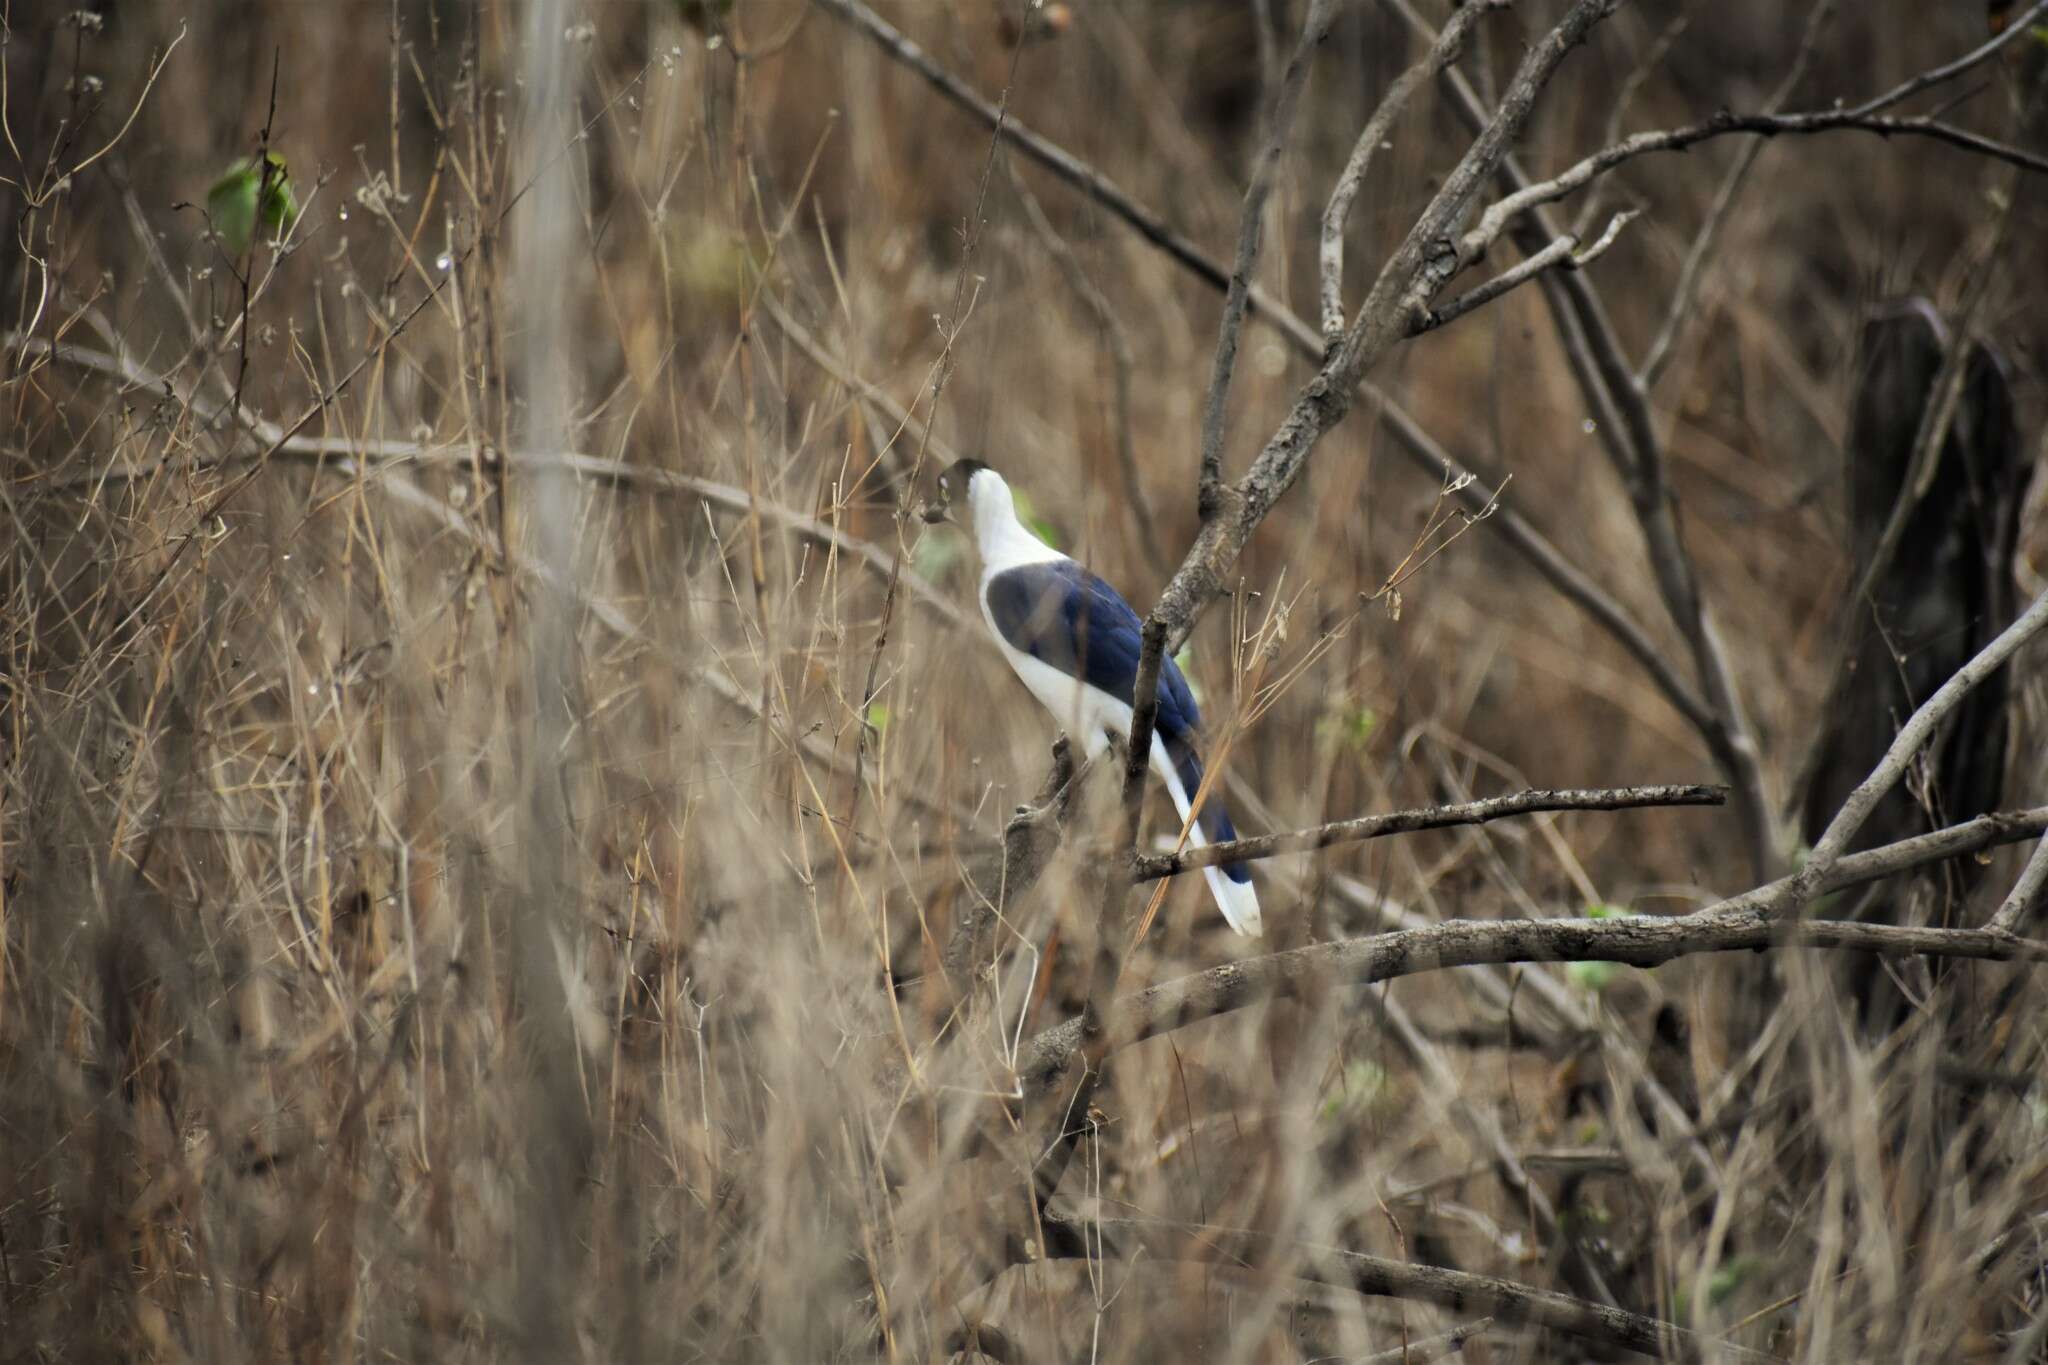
point(1153, 866)
point(1756, 919)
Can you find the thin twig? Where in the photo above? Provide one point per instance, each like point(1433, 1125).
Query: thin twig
point(2029, 894)
point(1680, 309)
point(1919, 728)
point(1444, 51)
point(1429, 817)
point(1722, 125)
point(1562, 251)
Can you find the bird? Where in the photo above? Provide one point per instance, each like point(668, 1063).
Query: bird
point(1074, 642)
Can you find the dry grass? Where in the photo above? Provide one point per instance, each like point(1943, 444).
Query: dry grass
point(448, 913)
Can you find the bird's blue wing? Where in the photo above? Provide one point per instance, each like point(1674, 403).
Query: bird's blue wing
point(1063, 615)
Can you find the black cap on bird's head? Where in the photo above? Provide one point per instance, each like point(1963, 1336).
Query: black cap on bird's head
point(952, 489)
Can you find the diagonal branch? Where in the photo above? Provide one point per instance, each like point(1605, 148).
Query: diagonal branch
point(2029, 894)
point(1913, 736)
point(1561, 252)
point(1152, 866)
point(1442, 53)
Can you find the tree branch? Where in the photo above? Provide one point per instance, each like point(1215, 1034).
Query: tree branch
point(1912, 737)
point(1559, 252)
point(2029, 894)
point(1442, 53)
point(1679, 309)
point(1755, 919)
point(1152, 866)
point(1861, 118)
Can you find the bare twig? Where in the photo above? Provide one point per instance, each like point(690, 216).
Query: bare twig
point(1442, 53)
point(1563, 251)
point(1680, 308)
point(1430, 817)
point(2029, 894)
point(1723, 124)
point(1912, 737)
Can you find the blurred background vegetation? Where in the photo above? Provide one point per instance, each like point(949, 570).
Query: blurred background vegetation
point(320, 1038)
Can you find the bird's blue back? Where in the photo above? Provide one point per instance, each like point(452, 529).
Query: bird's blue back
point(1062, 614)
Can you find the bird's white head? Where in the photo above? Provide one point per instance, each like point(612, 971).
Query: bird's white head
point(972, 493)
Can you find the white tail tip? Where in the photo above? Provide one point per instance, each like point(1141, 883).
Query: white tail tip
point(1239, 902)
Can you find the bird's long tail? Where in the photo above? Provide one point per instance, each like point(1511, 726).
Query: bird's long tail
point(1180, 767)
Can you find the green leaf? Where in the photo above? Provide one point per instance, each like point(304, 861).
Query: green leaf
point(1596, 976)
point(1186, 660)
point(1363, 1085)
point(1352, 728)
point(878, 717)
point(232, 208)
point(1729, 1277)
point(1038, 525)
point(1592, 976)
point(937, 551)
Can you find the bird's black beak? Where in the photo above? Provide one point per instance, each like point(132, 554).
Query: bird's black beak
point(938, 510)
